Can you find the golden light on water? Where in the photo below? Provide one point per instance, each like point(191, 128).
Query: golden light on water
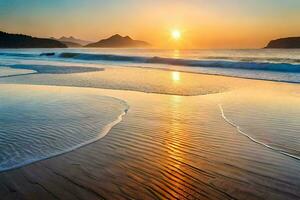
point(176, 76)
point(176, 53)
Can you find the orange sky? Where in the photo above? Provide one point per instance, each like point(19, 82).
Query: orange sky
point(203, 23)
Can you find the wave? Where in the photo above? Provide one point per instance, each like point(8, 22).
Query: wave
point(253, 139)
point(266, 66)
point(252, 63)
point(45, 140)
point(255, 59)
point(102, 134)
point(23, 55)
point(51, 69)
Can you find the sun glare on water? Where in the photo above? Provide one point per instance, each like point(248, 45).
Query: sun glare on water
point(176, 76)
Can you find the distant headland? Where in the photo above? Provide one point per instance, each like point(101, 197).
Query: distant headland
point(72, 41)
point(8, 40)
point(284, 43)
point(117, 41)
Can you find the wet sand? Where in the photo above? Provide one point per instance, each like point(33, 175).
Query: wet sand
point(166, 147)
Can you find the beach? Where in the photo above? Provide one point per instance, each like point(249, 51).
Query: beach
point(142, 100)
point(186, 136)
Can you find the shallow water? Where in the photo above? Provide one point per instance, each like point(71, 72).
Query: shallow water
point(270, 118)
point(274, 126)
point(7, 72)
point(40, 122)
point(136, 79)
point(170, 147)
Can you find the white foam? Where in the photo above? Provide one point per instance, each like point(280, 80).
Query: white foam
point(253, 139)
point(22, 149)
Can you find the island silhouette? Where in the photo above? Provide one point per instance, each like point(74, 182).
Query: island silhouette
point(284, 43)
point(72, 41)
point(117, 41)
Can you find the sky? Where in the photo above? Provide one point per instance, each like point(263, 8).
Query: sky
point(203, 23)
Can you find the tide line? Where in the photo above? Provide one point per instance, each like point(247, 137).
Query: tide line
point(253, 139)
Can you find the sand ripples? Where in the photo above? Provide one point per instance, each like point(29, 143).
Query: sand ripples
point(167, 147)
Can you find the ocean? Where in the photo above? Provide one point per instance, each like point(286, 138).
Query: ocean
point(264, 64)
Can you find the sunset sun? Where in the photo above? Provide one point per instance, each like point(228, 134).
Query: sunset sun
point(176, 34)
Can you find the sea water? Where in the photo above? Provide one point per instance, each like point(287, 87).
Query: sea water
point(266, 64)
point(37, 122)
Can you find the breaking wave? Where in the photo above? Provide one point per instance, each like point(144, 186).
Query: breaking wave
point(249, 65)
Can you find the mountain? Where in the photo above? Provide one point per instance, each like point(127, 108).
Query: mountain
point(285, 43)
point(71, 44)
point(74, 40)
point(117, 41)
point(8, 40)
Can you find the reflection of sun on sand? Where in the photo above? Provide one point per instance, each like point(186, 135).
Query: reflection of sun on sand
point(166, 147)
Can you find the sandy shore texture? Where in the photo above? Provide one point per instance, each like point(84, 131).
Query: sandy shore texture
point(166, 147)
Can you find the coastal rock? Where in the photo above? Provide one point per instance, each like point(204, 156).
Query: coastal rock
point(47, 54)
point(285, 43)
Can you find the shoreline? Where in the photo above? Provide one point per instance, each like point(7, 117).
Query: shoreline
point(167, 146)
point(157, 81)
point(104, 132)
point(253, 139)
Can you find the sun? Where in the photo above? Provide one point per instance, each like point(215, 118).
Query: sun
point(176, 34)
